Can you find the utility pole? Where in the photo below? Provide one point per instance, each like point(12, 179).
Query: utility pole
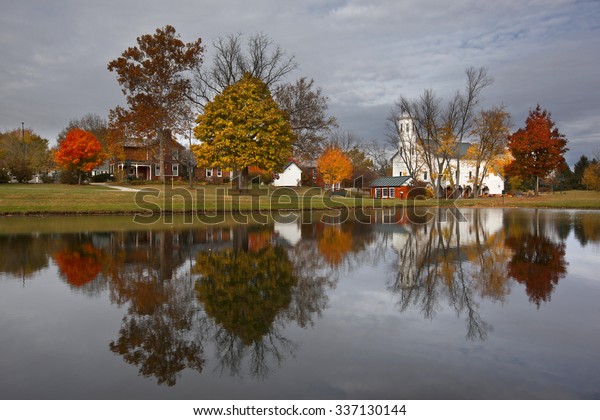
point(23, 140)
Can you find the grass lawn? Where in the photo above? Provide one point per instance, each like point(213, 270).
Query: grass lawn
point(31, 199)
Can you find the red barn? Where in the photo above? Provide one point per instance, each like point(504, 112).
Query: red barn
point(390, 187)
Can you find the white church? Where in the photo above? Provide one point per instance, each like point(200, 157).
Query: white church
point(408, 151)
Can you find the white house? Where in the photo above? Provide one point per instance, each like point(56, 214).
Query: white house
point(291, 176)
point(408, 151)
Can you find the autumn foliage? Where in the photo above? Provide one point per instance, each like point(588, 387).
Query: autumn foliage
point(79, 266)
point(538, 148)
point(335, 244)
point(80, 152)
point(244, 127)
point(334, 165)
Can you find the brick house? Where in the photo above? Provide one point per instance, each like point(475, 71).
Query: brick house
point(141, 160)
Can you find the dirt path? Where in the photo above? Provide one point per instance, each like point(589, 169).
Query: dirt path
point(115, 187)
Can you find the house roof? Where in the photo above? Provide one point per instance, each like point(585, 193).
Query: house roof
point(290, 164)
point(141, 144)
point(390, 181)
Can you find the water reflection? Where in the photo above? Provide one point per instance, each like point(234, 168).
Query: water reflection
point(444, 261)
point(229, 294)
point(538, 247)
point(244, 290)
point(23, 255)
point(587, 228)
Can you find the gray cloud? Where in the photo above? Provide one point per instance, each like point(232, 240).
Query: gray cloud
point(363, 54)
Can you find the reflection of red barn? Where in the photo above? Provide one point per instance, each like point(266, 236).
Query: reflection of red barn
point(390, 187)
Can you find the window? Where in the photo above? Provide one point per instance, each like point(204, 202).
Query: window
point(314, 174)
point(384, 193)
point(219, 173)
point(425, 175)
point(175, 154)
point(407, 127)
point(175, 169)
point(156, 170)
point(392, 193)
point(209, 172)
point(470, 175)
point(377, 192)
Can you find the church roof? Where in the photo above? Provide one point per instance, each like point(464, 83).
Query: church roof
point(390, 181)
point(461, 150)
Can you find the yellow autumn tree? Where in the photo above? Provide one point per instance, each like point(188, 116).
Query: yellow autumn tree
point(334, 166)
point(243, 127)
point(488, 152)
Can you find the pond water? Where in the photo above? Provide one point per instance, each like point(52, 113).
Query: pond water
point(470, 304)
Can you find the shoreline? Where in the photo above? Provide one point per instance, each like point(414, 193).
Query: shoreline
point(100, 200)
point(41, 214)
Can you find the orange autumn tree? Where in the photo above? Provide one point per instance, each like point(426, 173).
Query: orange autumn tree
point(79, 152)
point(335, 166)
point(538, 148)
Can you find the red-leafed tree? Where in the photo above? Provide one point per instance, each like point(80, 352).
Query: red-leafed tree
point(80, 152)
point(538, 148)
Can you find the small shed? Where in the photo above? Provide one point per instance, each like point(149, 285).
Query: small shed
point(291, 176)
point(390, 187)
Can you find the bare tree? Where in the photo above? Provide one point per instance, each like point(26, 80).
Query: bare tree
point(463, 106)
point(94, 123)
point(344, 140)
point(438, 129)
point(490, 131)
point(406, 150)
point(307, 110)
point(426, 116)
point(262, 59)
point(381, 157)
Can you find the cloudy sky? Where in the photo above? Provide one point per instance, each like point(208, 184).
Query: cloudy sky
point(363, 54)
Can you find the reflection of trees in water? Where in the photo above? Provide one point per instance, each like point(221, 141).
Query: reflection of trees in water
point(587, 227)
point(341, 241)
point(258, 289)
point(450, 261)
point(22, 256)
point(161, 334)
point(251, 295)
point(437, 261)
point(163, 338)
point(538, 261)
point(80, 264)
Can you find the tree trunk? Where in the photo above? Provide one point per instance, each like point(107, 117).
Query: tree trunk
point(456, 192)
point(537, 186)
point(243, 176)
point(161, 154)
point(477, 184)
point(79, 178)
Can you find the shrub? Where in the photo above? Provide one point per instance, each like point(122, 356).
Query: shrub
point(4, 176)
point(72, 177)
point(47, 178)
point(420, 190)
point(103, 178)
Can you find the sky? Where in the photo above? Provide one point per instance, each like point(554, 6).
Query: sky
point(363, 55)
